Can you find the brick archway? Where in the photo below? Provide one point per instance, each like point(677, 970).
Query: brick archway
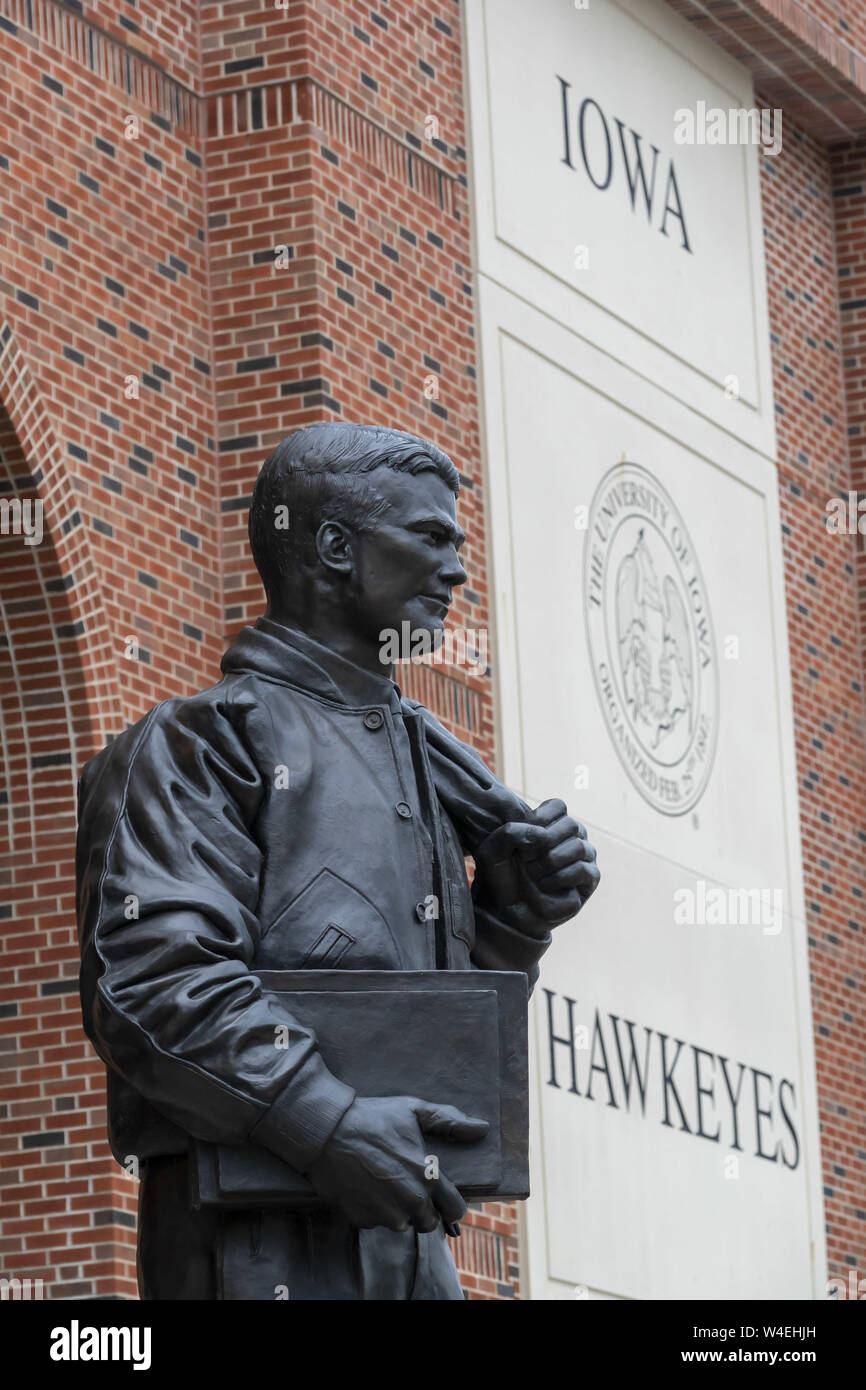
point(58, 1181)
point(36, 468)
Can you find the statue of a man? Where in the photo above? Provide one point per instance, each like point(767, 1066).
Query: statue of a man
point(288, 818)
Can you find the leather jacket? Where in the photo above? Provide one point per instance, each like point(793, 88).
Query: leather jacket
point(300, 813)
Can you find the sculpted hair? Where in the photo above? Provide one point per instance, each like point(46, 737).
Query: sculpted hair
point(319, 474)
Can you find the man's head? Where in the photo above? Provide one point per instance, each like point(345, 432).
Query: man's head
point(357, 521)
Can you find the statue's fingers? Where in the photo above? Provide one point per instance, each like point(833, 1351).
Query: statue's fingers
point(579, 875)
point(549, 811)
point(448, 1200)
point(549, 906)
point(423, 1214)
point(505, 840)
point(447, 1122)
point(557, 833)
point(568, 851)
point(554, 812)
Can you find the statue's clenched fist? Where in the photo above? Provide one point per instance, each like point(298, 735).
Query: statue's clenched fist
point(537, 873)
point(375, 1165)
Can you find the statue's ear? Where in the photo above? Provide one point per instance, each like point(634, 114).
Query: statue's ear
point(334, 546)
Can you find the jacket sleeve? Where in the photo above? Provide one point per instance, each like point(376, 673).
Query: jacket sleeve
point(168, 882)
point(499, 946)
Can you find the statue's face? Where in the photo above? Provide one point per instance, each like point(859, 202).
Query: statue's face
point(405, 570)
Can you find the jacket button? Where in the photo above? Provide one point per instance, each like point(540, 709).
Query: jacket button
point(373, 719)
point(404, 809)
point(421, 912)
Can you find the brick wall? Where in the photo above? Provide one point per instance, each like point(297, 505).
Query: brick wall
point(848, 169)
point(154, 258)
point(103, 278)
point(802, 221)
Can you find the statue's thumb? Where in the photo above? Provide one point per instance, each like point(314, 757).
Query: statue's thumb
point(513, 836)
point(447, 1122)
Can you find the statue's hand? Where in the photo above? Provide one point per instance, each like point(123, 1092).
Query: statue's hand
point(537, 874)
point(376, 1166)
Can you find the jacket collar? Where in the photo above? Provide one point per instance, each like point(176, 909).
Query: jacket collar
point(472, 795)
point(289, 655)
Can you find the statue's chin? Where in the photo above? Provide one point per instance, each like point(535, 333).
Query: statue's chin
point(431, 628)
point(428, 614)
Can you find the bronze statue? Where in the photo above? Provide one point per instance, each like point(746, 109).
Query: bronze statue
point(303, 815)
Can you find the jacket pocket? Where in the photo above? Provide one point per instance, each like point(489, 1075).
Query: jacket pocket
point(330, 948)
point(329, 925)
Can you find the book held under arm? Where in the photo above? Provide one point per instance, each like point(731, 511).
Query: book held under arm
point(457, 1037)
